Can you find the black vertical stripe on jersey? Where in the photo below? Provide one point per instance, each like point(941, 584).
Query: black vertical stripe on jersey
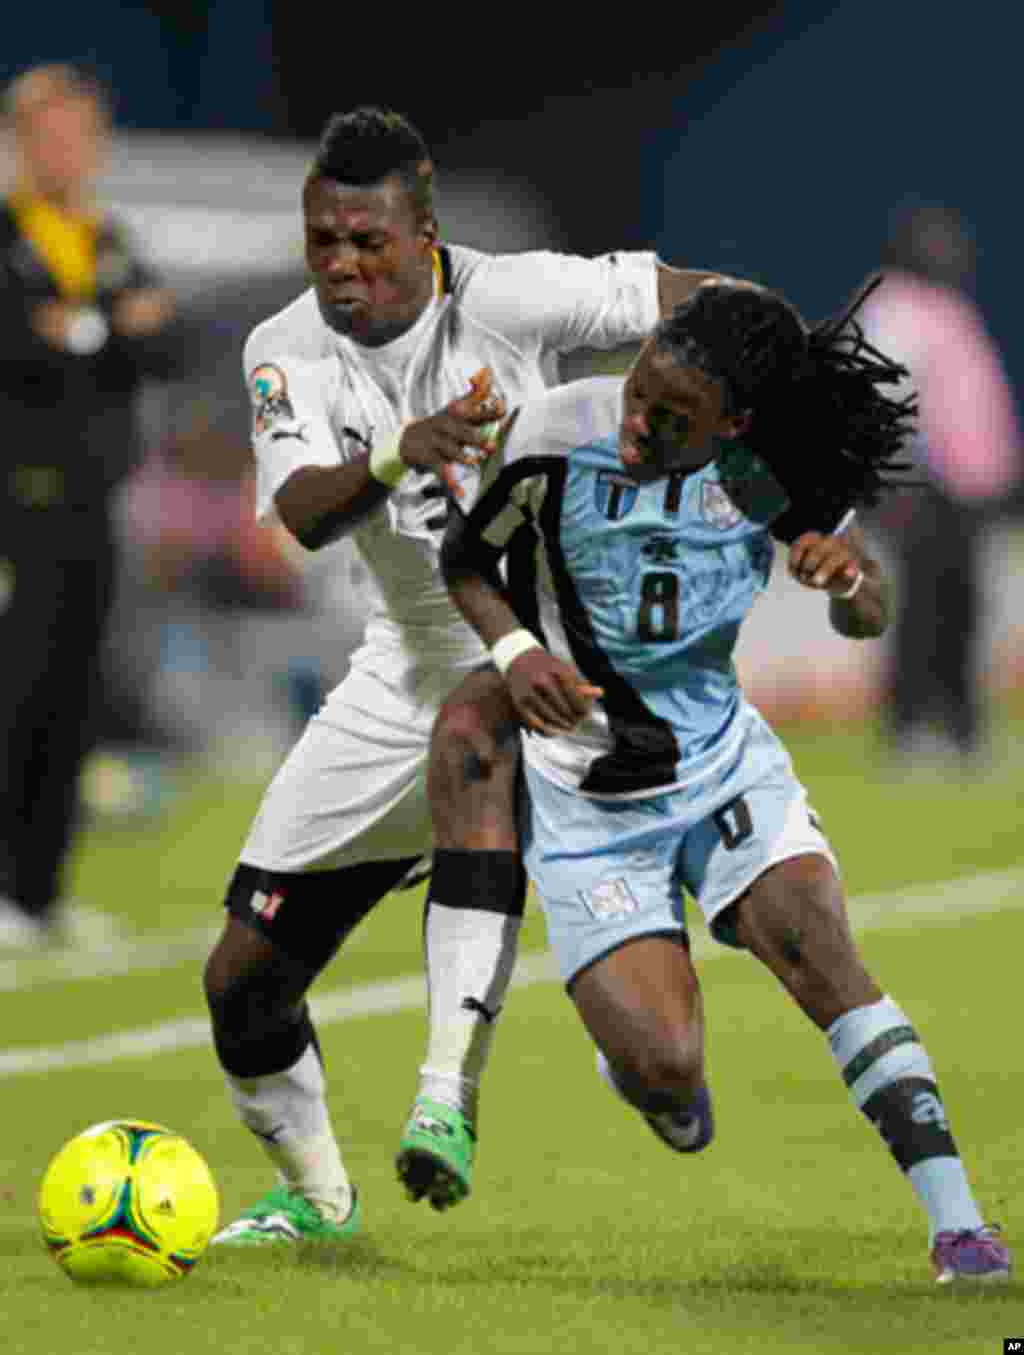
point(444, 254)
point(674, 495)
point(645, 751)
point(464, 548)
point(521, 578)
point(463, 551)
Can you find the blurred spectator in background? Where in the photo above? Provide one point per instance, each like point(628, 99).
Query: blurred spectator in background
point(224, 633)
point(82, 325)
point(201, 567)
point(968, 450)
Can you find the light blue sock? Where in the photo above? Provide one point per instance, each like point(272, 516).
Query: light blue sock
point(890, 1078)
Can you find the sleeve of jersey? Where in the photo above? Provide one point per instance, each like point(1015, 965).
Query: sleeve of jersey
point(474, 542)
point(562, 302)
point(290, 428)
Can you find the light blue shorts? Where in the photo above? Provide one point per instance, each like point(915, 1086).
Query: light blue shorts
point(609, 871)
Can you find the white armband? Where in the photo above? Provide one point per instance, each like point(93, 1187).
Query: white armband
point(506, 650)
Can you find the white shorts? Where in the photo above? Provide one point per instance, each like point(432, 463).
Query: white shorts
point(353, 789)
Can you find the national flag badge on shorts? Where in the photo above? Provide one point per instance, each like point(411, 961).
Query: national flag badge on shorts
point(266, 905)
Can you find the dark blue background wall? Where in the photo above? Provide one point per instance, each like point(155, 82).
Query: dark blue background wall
point(179, 64)
point(784, 159)
point(781, 158)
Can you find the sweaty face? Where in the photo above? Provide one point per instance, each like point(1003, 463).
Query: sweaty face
point(671, 416)
point(369, 256)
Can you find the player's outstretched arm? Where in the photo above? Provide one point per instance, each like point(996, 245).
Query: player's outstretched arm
point(840, 566)
point(319, 504)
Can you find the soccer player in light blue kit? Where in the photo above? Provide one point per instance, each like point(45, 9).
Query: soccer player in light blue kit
point(637, 520)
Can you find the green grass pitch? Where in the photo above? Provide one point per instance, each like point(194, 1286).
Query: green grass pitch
point(793, 1233)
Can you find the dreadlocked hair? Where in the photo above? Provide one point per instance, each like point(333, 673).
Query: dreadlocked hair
point(369, 144)
point(821, 417)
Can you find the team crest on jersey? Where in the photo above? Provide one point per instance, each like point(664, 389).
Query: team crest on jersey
point(750, 485)
point(268, 389)
point(716, 508)
point(614, 494)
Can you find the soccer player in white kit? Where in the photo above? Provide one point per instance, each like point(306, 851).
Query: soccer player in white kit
point(367, 402)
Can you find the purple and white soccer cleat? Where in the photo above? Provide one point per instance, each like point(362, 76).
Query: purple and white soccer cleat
point(685, 1129)
point(975, 1254)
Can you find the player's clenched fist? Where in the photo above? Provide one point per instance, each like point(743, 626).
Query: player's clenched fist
point(828, 563)
point(462, 433)
point(549, 695)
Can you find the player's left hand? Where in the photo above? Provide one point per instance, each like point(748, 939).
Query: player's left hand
point(827, 563)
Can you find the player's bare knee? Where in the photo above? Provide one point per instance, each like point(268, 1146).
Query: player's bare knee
point(471, 779)
point(248, 985)
point(249, 1006)
point(470, 749)
point(217, 976)
point(797, 926)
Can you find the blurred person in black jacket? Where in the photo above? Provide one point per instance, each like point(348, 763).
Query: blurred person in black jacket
point(83, 324)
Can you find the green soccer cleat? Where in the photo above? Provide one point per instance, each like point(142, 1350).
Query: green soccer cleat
point(281, 1217)
point(435, 1157)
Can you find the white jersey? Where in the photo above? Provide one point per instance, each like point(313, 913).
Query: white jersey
point(321, 399)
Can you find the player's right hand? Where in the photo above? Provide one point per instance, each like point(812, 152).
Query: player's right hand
point(549, 695)
point(461, 434)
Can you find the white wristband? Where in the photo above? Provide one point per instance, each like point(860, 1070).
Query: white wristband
point(853, 589)
point(506, 650)
point(385, 463)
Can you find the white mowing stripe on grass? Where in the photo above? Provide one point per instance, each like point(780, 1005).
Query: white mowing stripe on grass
point(107, 958)
point(944, 901)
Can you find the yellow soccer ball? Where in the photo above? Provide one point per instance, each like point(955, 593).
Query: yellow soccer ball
point(127, 1202)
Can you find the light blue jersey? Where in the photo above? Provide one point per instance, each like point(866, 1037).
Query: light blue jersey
point(643, 587)
point(674, 783)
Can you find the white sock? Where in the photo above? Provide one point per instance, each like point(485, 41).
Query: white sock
point(890, 1078)
point(288, 1113)
point(470, 955)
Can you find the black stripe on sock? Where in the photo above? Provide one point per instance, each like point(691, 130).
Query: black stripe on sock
point(872, 1052)
point(910, 1117)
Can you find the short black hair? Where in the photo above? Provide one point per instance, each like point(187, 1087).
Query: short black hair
point(820, 416)
point(369, 144)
